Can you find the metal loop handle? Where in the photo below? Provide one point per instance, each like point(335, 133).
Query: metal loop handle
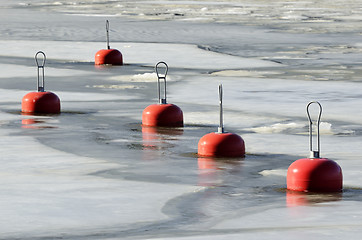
point(159, 77)
point(221, 124)
point(40, 64)
point(107, 32)
point(314, 154)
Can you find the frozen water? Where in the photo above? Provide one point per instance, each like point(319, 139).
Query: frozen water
point(93, 172)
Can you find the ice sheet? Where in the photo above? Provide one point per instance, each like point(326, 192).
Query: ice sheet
point(176, 55)
point(45, 191)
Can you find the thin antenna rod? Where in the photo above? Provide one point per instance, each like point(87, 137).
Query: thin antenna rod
point(221, 124)
point(159, 77)
point(40, 82)
point(314, 154)
point(107, 32)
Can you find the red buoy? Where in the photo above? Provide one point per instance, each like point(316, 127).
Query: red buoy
point(221, 144)
point(162, 114)
point(40, 101)
point(314, 174)
point(108, 56)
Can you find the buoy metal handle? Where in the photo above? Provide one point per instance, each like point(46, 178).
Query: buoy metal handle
point(107, 32)
point(40, 64)
point(159, 78)
point(220, 129)
point(313, 153)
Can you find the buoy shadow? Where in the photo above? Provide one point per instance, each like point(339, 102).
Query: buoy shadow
point(41, 120)
point(35, 123)
point(16, 112)
point(217, 163)
point(213, 172)
point(352, 193)
point(296, 198)
point(156, 138)
point(105, 66)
